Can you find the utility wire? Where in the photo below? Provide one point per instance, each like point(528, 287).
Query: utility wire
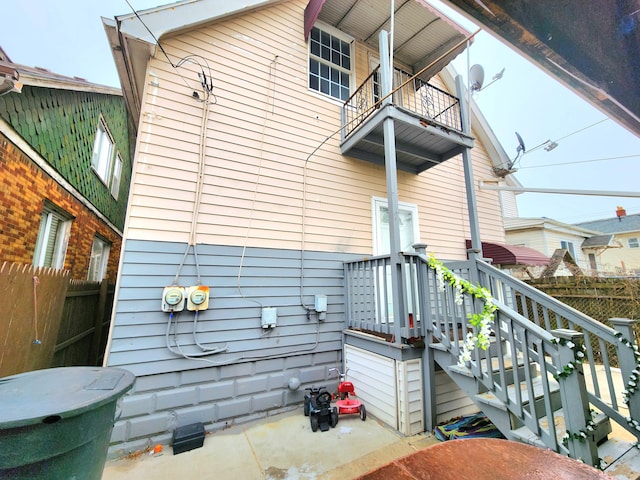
point(546, 142)
point(580, 161)
point(205, 81)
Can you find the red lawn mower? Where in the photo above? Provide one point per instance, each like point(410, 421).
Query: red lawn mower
point(346, 404)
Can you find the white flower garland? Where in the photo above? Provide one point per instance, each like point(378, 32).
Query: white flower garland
point(481, 322)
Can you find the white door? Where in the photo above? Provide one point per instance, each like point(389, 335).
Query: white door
point(409, 234)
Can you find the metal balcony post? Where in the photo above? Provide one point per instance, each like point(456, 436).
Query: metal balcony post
point(392, 191)
point(475, 252)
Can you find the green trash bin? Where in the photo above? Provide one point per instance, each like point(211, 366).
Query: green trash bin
point(56, 423)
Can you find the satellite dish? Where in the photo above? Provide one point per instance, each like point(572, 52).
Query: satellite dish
point(521, 148)
point(476, 77)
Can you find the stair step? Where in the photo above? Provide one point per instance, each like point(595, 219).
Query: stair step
point(621, 458)
point(538, 391)
point(525, 435)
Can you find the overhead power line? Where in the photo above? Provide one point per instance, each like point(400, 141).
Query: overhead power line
point(581, 161)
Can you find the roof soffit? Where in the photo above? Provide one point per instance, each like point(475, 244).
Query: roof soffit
point(421, 34)
point(584, 46)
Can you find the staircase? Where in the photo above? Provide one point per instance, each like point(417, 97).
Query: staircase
point(551, 377)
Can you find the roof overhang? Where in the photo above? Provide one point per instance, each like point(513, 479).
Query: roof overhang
point(9, 77)
point(424, 38)
point(591, 47)
point(600, 241)
point(134, 43)
point(511, 255)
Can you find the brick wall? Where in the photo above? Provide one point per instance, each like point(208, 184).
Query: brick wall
point(23, 190)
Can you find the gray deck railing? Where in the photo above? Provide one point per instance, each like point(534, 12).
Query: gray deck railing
point(411, 94)
point(606, 373)
point(526, 325)
point(519, 367)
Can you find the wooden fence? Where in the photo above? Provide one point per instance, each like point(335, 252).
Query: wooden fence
point(84, 327)
point(50, 320)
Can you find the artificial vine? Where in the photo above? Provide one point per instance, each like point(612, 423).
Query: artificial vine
point(578, 355)
point(632, 383)
point(481, 322)
point(582, 435)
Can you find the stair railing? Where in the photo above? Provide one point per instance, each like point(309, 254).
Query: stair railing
point(611, 355)
point(522, 368)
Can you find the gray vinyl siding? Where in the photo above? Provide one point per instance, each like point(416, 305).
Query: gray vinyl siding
point(250, 379)
point(269, 277)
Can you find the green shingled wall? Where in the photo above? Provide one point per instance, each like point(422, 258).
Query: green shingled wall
point(61, 126)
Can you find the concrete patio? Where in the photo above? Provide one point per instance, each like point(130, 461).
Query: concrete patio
point(277, 448)
point(283, 447)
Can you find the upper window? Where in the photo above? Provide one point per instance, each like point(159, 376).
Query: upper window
point(105, 162)
point(329, 64)
point(633, 242)
point(53, 237)
point(115, 178)
point(568, 246)
point(99, 258)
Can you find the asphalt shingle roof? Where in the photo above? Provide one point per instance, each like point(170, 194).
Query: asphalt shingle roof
point(629, 223)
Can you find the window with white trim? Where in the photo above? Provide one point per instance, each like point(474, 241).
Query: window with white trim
point(115, 178)
point(106, 163)
point(633, 242)
point(569, 247)
point(329, 63)
point(98, 261)
point(53, 237)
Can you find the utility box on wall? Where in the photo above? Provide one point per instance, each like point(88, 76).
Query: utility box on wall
point(269, 317)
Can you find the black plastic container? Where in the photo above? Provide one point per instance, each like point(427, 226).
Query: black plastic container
point(188, 437)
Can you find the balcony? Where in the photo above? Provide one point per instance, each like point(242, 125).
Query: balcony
point(427, 123)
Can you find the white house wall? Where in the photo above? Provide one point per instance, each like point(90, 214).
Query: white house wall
point(260, 240)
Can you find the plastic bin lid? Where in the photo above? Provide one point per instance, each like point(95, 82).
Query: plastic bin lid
point(31, 397)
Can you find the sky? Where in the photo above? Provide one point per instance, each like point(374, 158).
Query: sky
point(67, 37)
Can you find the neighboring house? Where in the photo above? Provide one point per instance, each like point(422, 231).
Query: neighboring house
point(625, 259)
point(546, 235)
point(65, 168)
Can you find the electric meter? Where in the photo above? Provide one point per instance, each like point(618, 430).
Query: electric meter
point(173, 299)
point(198, 297)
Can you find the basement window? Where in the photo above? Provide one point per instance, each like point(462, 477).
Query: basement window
point(330, 63)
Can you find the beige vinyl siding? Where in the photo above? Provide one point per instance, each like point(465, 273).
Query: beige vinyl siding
point(264, 124)
point(624, 260)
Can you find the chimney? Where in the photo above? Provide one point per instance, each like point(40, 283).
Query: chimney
point(620, 212)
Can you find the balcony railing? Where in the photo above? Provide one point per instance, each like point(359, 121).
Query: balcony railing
point(414, 95)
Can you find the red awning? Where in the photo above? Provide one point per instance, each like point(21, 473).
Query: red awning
point(503, 254)
point(311, 15)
